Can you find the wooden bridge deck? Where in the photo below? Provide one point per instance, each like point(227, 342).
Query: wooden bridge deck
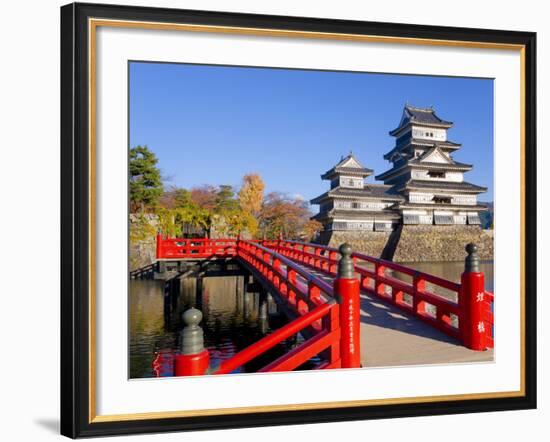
point(392, 337)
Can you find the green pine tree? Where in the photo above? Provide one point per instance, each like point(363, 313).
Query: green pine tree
point(225, 199)
point(145, 180)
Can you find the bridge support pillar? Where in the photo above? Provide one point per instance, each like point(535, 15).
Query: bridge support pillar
point(347, 290)
point(263, 313)
point(262, 306)
point(161, 267)
point(246, 305)
point(198, 291)
point(194, 359)
point(472, 302)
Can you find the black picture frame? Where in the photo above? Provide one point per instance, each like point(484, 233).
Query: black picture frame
point(75, 220)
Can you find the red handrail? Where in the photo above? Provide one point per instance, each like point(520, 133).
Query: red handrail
point(296, 285)
point(312, 298)
point(278, 336)
point(285, 267)
point(305, 295)
point(393, 290)
point(195, 248)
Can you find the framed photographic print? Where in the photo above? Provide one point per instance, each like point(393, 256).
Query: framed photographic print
point(273, 220)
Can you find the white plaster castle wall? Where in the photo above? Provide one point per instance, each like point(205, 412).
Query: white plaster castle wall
point(465, 199)
point(349, 181)
point(344, 224)
point(360, 205)
point(421, 133)
point(417, 197)
point(426, 198)
point(455, 177)
point(417, 217)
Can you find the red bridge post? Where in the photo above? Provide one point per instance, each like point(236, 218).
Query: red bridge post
point(347, 290)
point(194, 359)
point(472, 293)
point(159, 245)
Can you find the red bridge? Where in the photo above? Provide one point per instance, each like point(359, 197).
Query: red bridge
point(355, 310)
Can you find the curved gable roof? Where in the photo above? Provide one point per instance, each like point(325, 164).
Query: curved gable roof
point(348, 165)
point(422, 116)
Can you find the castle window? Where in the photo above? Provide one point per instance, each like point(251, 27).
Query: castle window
point(442, 199)
point(436, 174)
point(355, 205)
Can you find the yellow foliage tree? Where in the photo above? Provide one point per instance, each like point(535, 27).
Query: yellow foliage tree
point(251, 194)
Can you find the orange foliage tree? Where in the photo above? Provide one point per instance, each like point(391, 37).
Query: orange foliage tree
point(288, 217)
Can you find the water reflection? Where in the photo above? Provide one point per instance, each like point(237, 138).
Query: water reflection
point(234, 318)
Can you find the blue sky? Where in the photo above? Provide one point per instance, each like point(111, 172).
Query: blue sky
point(213, 124)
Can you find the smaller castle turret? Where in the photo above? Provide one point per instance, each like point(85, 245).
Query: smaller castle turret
point(353, 205)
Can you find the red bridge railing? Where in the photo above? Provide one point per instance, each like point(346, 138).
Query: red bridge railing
point(333, 325)
point(194, 248)
point(313, 300)
point(331, 312)
point(468, 317)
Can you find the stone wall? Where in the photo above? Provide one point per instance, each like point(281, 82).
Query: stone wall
point(369, 243)
point(442, 243)
point(143, 252)
point(416, 243)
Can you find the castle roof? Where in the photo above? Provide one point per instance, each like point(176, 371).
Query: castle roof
point(445, 145)
point(442, 206)
point(421, 116)
point(348, 166)
point(434, 158)
point(455, 165)
point(441, 185)
point(356, 214)
point(369, 191)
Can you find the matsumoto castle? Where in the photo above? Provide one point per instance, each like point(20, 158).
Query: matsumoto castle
point(424, 185)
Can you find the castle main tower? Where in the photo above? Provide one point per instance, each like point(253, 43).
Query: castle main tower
point(424, 172)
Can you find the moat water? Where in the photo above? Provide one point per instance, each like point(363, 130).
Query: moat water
point(231, 322)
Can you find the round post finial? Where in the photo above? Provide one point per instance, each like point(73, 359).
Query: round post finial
point(472, 261)
point(192, 335)
point(345, 265)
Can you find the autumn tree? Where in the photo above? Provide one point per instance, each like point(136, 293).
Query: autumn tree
point(178, 212)
point(284, 216)
point(176, 197)
point(145, 180)
point(310, 229)
point(204, 196)
point(251, 194)
point(240, 222)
